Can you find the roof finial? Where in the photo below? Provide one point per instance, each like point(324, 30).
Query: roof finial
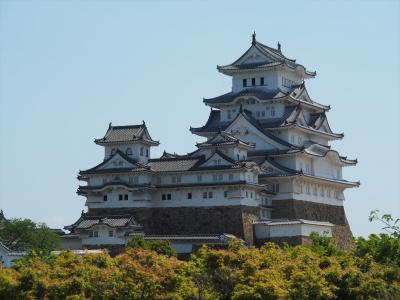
point(109, 125)
point(241, 108)
point(279, 46)
point(82, 212)
point(144, 123)
point(253, 42)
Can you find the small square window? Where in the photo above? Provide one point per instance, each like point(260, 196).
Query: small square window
point(210, 194)
point(205, 195)
point(126, 197)
point(120, 197)
point(105, 198)
point(189, 195)
point(168, 196)
point(111, 233)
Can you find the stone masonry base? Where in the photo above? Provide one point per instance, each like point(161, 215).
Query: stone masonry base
point(297, 209)
point(236, 220)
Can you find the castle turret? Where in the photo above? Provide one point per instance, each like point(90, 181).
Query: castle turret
point(132, 140)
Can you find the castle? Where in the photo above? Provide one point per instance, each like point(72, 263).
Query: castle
point(266, 171)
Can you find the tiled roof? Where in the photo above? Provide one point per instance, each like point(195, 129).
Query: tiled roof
point(215, 125)
point(274, 57)
point(86, 221)
point(174, 164)
point(82, 190)
point(96, 170)
point(277, 222)
point(128, 133)
point(222, 139)
point(255, 92)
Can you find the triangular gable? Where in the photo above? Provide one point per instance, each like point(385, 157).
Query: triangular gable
point(117, 161)
point(301, 119)
point(271, 167)
point(324, 126)
point(217, 159)
point(240, 126)
point(304, 95)
point(253, 56)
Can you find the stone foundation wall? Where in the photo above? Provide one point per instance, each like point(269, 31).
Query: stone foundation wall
point(297, 209)
point(236, 220)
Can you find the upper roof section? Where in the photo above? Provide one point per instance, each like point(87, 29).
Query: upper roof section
point(297, 94)
point(222, 139)
point(261, 57)
point(126, 135)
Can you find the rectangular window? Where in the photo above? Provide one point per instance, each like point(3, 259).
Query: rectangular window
point(215, 177)
point(105, 198)
point(258, 114)
point(263, 114)
point(244, 82)
point(141, 151)
point(272, 111)
point(189, 195)
point(173, 179)
point(178, 179)
point(136, 179)
point(126, 197)
point(230, 176)
point(111, 233)
point(253, 81)
point(205, 195)
point(96, 234)
point(120, 197)
point(163, 197)
point(262, 80)
point(226, 194)
point(220, 177)
point(147, 152)
point(90, 233)
point(199, 178)
point(168, 196)
point(210, 194)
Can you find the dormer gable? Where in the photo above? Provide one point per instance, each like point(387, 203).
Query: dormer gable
point(247, 129)
point(217, 159)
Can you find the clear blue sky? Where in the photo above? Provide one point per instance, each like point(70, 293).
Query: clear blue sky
point(69, 68)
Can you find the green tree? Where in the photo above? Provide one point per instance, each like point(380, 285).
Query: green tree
point(26, 235)
point(161, 247)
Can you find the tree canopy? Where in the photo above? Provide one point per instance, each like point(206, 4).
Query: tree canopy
point(26, 235)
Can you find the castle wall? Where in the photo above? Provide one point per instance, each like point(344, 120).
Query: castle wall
point(297, 209)
point(236, 220)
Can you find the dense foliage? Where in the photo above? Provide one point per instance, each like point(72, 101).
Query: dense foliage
point(150, 270)
point(26, 235)
point(239, 272)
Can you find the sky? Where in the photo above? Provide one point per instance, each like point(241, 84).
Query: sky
point(68, 68)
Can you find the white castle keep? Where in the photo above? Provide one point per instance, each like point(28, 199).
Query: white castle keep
point(265, 173)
